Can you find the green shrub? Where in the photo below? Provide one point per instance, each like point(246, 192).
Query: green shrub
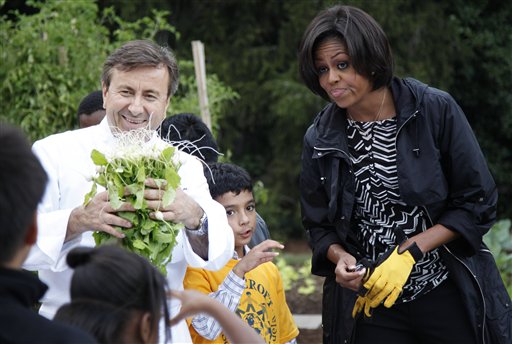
point(296, 273)
point(53, 58)
point(499, 241)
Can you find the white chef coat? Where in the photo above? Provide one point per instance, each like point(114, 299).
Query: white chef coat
point(66, 158)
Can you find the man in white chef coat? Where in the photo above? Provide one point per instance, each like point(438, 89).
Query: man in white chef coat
point(138, 80)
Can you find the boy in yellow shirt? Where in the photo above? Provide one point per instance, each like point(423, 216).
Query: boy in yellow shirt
point(249, 284)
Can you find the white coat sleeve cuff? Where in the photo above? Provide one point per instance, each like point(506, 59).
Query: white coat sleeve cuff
point(50, 251)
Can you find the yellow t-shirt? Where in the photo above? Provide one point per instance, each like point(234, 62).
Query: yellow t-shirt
point(262, 305)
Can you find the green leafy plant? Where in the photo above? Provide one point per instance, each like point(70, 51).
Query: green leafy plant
point(499, 241)
point(52, 58)
point(122, 172)
point(296, 273)
point(220, 97)
point(288, 273)
point(309, 285)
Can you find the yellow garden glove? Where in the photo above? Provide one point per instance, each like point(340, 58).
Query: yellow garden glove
point(362, 302)
point(389, 276)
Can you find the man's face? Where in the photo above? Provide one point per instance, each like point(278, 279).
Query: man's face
point(136, 98)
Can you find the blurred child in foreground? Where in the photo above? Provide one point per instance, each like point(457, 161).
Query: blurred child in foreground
point(22, 183)
point(119, 297)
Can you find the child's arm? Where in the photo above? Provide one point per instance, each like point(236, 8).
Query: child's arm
point(228, 294)
point(231, 289)
point(194, 302)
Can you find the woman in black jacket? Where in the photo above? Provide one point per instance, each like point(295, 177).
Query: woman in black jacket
point(396, 196)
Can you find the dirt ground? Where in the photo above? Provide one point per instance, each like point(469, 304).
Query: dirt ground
point(305, 304)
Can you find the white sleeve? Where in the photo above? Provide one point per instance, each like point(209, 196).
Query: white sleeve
point(220, 234)
point(52, 222)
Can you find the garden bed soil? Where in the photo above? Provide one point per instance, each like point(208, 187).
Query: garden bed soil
point(305, 304)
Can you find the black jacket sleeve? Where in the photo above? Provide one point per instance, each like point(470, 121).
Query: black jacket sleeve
point(321, 232)
point(472, 200)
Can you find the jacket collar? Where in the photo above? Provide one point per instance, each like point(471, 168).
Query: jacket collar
point(331, 122)
point(22, 286)
point(408, 96)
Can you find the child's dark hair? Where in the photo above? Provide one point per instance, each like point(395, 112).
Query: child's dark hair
point(225, 177)
point(121, 280)
point(190, 134)
point(105, 321)
point(90, 103)
point(22, 185)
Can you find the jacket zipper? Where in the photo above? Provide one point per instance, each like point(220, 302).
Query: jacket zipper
point(470, 272)
point(396, 136)
point(399, 129)
point(331, 149)
point(347, 157)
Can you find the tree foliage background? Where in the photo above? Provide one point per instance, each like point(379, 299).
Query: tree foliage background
point(52, 56)
point(461, 46)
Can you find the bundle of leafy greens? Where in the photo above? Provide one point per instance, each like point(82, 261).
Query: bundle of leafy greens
point(122, 173)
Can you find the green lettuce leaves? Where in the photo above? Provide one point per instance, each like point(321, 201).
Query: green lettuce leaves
point(123, 177)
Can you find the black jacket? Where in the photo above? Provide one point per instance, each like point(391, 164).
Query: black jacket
point(19, 323)
point(440, 168)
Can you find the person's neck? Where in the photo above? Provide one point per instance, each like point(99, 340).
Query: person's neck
point(16, 262)
point(240, 251)
point(375, 108)
point(13, 264)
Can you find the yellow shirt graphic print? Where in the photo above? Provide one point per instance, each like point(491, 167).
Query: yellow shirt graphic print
point(254, 310)
point(262, 305)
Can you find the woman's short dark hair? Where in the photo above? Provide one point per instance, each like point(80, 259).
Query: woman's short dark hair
point(119, 278)
point(142, 53)
point(366, 43)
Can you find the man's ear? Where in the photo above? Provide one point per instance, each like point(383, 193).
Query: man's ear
point(145, 328)
point(104, 90)
point(31, 236)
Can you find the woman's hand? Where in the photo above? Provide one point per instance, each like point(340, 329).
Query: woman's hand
point(346, 274)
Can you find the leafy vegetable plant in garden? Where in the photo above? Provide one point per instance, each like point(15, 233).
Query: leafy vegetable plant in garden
point(122, 172)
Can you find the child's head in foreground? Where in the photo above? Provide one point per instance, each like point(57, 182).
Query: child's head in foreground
point(231, 186)
point(116, 295)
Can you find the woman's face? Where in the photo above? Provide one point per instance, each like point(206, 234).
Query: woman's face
point(337, 76)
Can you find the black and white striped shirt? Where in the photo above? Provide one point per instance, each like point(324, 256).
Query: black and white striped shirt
point(379, 209)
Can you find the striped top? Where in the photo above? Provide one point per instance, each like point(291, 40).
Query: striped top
point(379, 210)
